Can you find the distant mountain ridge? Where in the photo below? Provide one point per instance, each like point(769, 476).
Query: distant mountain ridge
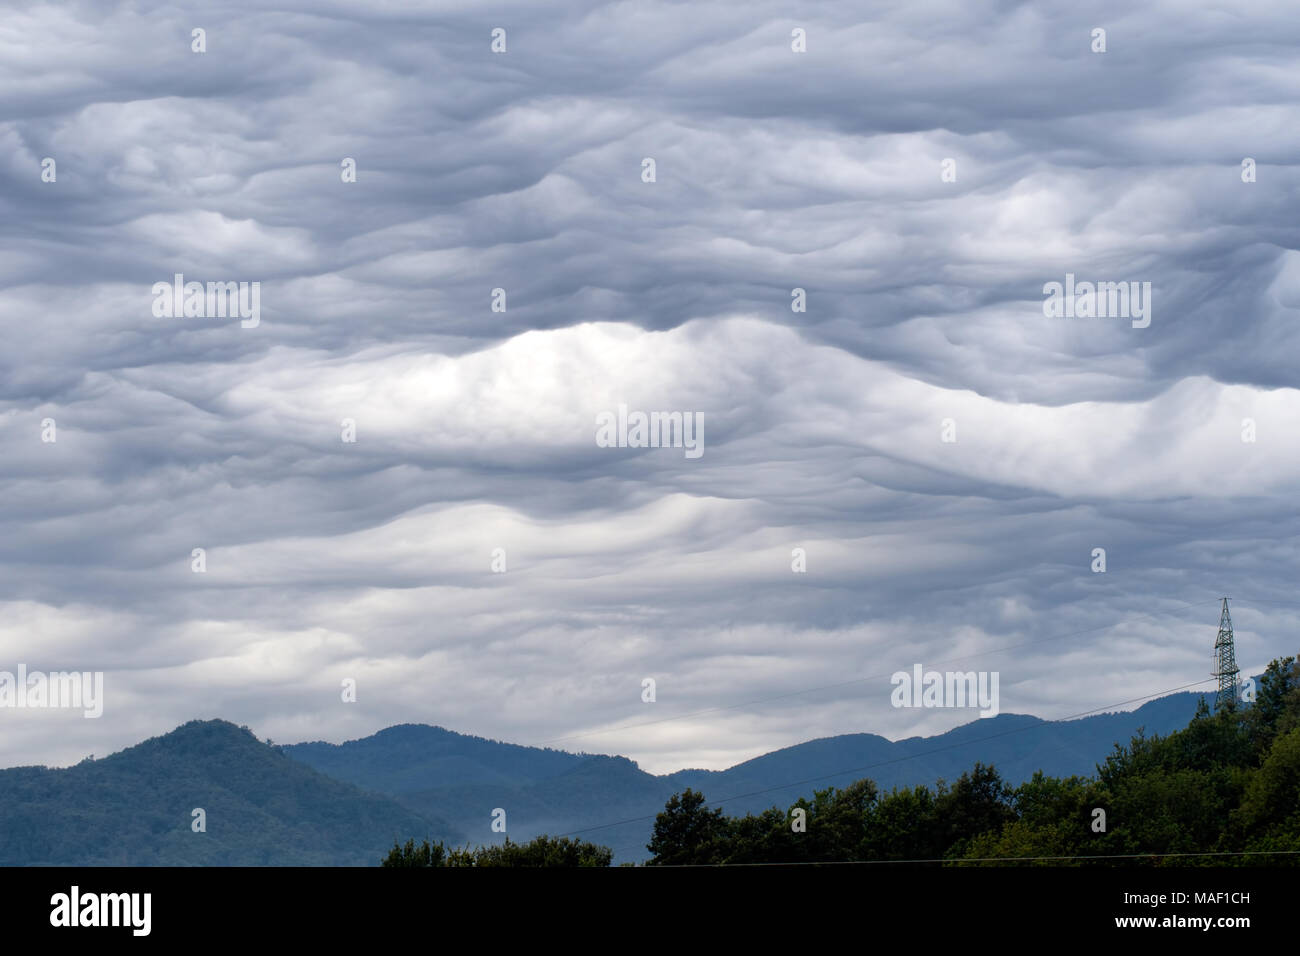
point(408, 757)
point(346, 804)
point(435, 771)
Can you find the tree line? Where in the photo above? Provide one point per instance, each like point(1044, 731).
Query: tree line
point(1224, 791)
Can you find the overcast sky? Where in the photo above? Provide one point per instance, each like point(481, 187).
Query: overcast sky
point(823, 430)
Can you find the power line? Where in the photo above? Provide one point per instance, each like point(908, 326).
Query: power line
point(1263, 601)
point(989, 859)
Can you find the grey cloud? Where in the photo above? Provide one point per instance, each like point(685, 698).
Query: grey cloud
point(522, 171)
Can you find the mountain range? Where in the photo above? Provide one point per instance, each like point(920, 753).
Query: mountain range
point(462, 779)
point(319, 803)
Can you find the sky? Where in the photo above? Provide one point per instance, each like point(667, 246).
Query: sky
point(947, 456)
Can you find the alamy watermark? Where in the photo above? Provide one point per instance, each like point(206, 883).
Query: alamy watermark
point(192, 300)
point(652, 430)
point(82, 690)
point(1101, 300)
point(75, 908)
point(950, 689)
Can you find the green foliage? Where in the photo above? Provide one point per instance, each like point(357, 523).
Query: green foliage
point(1277, 705)
point(902, 827)
point(978, 803)
point(426, 854)
point(1269, 815)
point(542, 851)
point(1228, 783)
point(687, 833)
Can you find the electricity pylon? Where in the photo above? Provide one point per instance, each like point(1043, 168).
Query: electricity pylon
point(1225, 670)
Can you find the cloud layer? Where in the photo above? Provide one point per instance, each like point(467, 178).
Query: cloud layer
point(823, 429)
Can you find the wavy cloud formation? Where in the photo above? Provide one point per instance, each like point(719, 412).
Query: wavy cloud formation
point(823, 429)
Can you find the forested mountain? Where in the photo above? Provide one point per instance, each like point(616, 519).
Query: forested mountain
point(462, 779)
point(348, 804)
point(136, 808)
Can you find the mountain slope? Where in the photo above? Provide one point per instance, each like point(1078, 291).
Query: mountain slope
point(134, 808)
point(409, 757)
point(1016, 744)
point(328, 804)
point(434, 771)
point(595, 792)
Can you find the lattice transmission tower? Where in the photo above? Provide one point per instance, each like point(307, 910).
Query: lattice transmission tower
point(1225, 667)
